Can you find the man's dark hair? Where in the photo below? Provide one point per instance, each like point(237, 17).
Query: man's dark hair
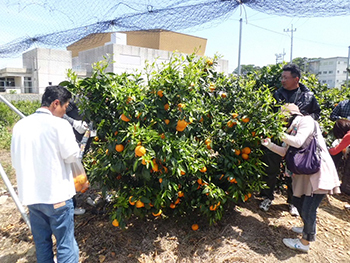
point(55, 93)
point(294, 70)
point(341, 127)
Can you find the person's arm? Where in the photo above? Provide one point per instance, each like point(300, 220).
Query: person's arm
point(79, 126)
point(274, 147)
point(304, 130)
point(345, 142)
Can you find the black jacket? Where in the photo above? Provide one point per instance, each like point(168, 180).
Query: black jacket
point(303, 98)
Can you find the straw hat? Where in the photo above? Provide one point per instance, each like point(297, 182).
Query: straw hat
point(291, 108)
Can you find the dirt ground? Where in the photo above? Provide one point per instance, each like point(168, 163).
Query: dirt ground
point(245, 234)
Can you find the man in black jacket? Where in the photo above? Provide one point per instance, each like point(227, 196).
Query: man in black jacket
point(292, 92)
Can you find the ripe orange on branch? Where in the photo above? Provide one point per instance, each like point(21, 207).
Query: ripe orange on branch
point(203, 169)
point(119, 148)
point(181, 125)
point(160, 93)
point(245, 156)
point(140, 151)
point(246, 150)
point(245, 120)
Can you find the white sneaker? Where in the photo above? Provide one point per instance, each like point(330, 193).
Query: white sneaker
point(265, 205)
point(295, 243)
point(347, 206)
point(79, 211)
point(298, 229)
point(293, 210)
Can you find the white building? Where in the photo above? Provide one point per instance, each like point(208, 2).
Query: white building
point(129, 51)
point(330, 71)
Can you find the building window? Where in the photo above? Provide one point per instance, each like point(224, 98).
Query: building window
point(324, 81)
point(319, 72)
point(330, 72)
point(28, 84)
point(324, 72)
point(7, 82)
point(337, 71)
point(344, 71)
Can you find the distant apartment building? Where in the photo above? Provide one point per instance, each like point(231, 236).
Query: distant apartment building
point(129, 51)
point(330, 71)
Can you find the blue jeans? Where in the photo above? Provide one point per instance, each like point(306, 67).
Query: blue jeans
point(58, 220)
point(307, 208)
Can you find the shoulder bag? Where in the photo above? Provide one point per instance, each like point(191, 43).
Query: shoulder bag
point(305, 160)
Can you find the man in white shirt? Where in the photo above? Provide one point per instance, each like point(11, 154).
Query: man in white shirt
point(42, 150)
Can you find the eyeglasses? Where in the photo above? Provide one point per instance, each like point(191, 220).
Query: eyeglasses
point(287, 78)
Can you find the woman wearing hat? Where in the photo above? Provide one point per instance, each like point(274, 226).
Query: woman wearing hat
point(308, 190)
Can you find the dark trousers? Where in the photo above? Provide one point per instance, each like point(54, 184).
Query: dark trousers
point(272, 170)
point(307, 208)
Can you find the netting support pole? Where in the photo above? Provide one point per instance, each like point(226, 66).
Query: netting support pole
point(14, 196)
point(12, 107)
point(347, 68)
point(6, 179)
point(239, 46)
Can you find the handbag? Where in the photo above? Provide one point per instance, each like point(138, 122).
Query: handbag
point(304, 160)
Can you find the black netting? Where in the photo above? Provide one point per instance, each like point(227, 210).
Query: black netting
point(68, 21)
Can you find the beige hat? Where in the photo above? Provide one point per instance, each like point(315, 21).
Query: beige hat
point(291, 108)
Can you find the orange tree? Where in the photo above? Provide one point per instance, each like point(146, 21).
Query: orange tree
point(175, 139)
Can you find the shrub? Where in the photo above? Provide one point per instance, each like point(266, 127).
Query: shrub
point(190, 119)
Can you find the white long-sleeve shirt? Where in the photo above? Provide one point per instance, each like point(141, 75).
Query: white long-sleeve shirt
point(42, 148)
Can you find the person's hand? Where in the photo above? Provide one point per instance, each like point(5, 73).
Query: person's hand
point(266, 142)
point(80, 126)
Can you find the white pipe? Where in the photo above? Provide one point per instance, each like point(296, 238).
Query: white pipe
point(12, 107)
point(5, 178)
point(14, 196)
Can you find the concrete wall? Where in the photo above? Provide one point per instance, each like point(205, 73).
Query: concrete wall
point(18, 97)
point(49, 66)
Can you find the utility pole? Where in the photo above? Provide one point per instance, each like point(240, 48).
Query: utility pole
point(280, 57)
point(239, 46)
point(291, 41)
